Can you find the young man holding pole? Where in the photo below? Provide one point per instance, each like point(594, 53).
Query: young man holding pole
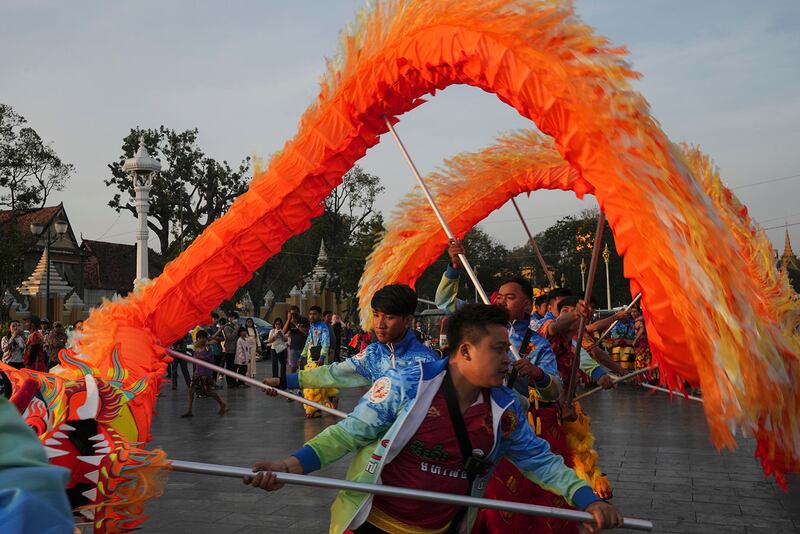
point(438, 426)
point(515, 294)
point(393, 309)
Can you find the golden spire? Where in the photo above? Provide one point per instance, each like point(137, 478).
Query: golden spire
point(787, 245)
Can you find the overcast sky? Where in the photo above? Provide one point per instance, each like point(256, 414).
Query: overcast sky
point(722, 74)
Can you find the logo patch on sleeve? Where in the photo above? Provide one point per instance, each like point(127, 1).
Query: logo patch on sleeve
point(380, 390)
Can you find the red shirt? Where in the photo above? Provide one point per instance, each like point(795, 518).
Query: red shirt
point(432, 461)
point(562, 347)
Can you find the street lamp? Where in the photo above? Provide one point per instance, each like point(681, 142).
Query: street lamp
point(606, 257)
point(583, 274)
point(142, 168)
point(37, 229)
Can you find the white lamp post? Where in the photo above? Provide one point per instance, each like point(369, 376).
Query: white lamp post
point(142, 168)
point(37, 229)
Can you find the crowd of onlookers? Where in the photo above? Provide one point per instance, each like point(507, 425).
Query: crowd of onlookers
point(34, 343)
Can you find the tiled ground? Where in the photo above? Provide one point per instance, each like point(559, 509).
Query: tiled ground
point(655, 450)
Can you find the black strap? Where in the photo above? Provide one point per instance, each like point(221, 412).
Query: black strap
point(522, 354)
point(458, 421)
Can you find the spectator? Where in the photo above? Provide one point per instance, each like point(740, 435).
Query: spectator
point(13, 346)
point(254, 340)
point(45, 330)
point(296, 328)
point(56, 340)
point(182, 345)
point(277, 341)
point(35, 357)
point(327, 316)
point(230, 336)
point(242, 355)
point(203, 377)
point(338, 332)
point(215, 341)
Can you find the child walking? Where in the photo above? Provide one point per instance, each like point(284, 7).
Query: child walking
point(203, 377)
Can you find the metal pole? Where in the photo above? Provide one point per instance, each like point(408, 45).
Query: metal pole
point(47, 277)
point(254, 382)
point(598, 238)
point(535, 247)
point(393, 491)
point(615, 380)
point(446, 227)
point(677, 393)
point(435, 208)
point(615, 323)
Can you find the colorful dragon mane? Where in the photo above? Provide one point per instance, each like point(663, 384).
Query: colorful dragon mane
point(742, 348)
point(539, 58)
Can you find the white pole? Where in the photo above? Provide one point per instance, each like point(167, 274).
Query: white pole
point(393, 491)
point(615, 380)
point(254, 382)
point(142, 189)
point(446, 227)
point(677, 393)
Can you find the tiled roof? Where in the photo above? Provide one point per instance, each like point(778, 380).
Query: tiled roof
point(26, 217)
point(113, 265)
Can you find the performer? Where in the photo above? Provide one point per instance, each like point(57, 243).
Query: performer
point(559, 326)
point(393, 309)
point(403, 433)
point(318, 343)
point(516, 296)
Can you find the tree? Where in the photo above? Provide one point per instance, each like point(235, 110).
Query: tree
point(489, 258)
point(191, 191)
point(29, 169)
point(349, 226)
point(15, 245)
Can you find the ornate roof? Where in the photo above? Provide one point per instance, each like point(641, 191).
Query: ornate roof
point(36, 283)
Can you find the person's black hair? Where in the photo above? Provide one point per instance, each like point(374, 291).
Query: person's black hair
point(524, 285)
point(568, 301)
point(294, 308)
point(45, 320)
point(35, 321)
point(241, 329)
point(75, 324)
point(201, 333)
point(223, 321)
point(327, 312)
point(470, 322)
point(275, 322)
point(214, 315)
point(316, 309)
point(558, 293)
point(395, 299)
point(233, 314)
point(541, 299)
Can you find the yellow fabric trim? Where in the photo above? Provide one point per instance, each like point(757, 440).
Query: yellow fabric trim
point(384, 521)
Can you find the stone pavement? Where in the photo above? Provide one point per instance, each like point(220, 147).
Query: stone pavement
point(655, 450)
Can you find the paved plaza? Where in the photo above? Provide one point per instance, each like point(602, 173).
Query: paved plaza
point(655, 450)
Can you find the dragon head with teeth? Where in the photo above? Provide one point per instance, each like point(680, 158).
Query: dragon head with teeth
point(88, 425)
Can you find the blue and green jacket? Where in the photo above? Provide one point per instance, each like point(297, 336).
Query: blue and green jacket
point(318, 335)
point(387, 417)
point(366, 367)
point(541, 353)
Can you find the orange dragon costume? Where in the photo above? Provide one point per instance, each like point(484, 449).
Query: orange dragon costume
point(687, 230)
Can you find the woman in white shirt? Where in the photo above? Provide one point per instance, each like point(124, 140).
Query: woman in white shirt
point(255, 344)
point(277, 340)
point(242, 356)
